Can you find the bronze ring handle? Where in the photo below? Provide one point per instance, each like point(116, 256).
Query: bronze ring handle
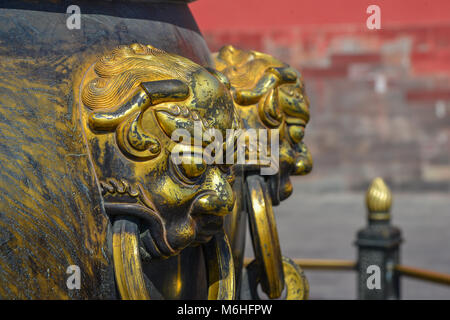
point(264, 234)
point(130, 277)
point(297, 287)
point(127, 261)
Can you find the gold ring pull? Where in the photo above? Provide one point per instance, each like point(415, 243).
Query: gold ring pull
point(265, 236)
point(219, 261)
point(297, 287)
point(130, 278)
point(127, 261)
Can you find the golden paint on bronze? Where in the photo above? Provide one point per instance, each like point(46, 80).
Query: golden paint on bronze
point(130, 277)
point(269, 94)
point(131, 102)
point(297, 285)
point(127, 263)
point(51, 217)
point(266, 244)
point(122, 71)
point(178, 282)
point(221, 275)
point(378, 200)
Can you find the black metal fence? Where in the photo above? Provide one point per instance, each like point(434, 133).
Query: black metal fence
point(378, 266)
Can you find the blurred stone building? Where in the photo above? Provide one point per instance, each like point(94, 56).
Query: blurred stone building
point(380, 98)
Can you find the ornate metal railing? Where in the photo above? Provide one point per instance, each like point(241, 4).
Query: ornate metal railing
point(378, 245)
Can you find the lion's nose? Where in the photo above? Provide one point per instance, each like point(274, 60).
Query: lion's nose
point(218, 198)
point(303, 163)
point(212, 204)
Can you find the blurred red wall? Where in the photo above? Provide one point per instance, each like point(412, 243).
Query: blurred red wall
point(238, 14)
point(380, 99)
point(317, 25)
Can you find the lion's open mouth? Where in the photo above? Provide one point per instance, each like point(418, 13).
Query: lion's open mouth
point(153, 235)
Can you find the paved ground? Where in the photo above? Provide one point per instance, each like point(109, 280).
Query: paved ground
point(313, 225)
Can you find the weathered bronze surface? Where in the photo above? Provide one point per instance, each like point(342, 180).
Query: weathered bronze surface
point(132, 100)
point(268, 94)
point(87, 179)
point(265, 236)
point(51, 210)
point(296, 284)
point(379, 200)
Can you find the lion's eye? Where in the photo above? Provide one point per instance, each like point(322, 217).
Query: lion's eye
point(190, 168)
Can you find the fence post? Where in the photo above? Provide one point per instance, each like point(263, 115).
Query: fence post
point(378, 247)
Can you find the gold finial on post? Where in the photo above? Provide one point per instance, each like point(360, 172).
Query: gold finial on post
point(378, 200)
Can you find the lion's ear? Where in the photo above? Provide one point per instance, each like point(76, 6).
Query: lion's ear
point(165, 90)
point(269, 80)
point(150, 94)
point(132, 138)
